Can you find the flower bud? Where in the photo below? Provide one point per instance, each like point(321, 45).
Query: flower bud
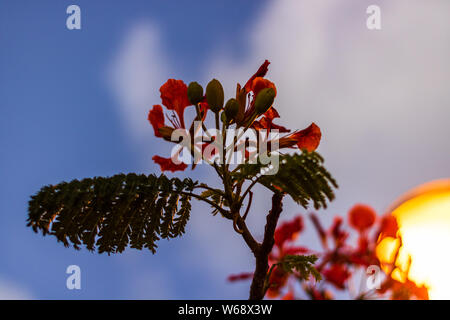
point(264, 100)
point(215, 95)
point(231, 108)
point(195, 93)
point(224, 117)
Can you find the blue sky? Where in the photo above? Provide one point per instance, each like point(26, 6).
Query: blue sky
point(73, 105)
point(59, 122)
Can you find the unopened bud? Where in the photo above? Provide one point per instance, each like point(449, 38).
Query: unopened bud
point(215, 95)
point(231, 108)
point(195, 93)
point(264, 100)
point(224, 117)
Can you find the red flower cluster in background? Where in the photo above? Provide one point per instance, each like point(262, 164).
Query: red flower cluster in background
point(338, 260)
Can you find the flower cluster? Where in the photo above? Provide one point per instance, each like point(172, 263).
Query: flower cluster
point(251, 108)
point(338, 260)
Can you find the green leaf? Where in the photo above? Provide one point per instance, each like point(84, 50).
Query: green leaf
point(215, 195)
point(302, 176)
point(109, 214)
point(304, 265)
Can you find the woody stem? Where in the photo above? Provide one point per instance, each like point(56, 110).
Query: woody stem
point(259, 286)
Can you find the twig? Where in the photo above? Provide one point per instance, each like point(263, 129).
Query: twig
point(248, 205)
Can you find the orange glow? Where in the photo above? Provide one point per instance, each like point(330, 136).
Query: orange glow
point(423, 216)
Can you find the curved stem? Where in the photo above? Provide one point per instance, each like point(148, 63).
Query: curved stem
point(248, 206)
point(248, 190)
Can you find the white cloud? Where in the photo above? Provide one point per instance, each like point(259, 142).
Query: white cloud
point(380, 97)
point(134, 74)
point(12, 291)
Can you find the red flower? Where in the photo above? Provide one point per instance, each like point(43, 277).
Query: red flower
point(174, 97)
point(337, 233)
point(364, 254)
point(167, 164)
point(361, 217)
point(288, 231)
point(295, 250)
point(256, 86)
point(277, 280)
point(262, 71)
point(267, 122)
point(260, 83)
point(308, 139)
point(337, 274)
point(156, 118)
point(240, 276)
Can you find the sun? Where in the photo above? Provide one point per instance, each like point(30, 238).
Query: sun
point(423, 217)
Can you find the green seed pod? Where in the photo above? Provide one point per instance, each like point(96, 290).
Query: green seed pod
point(264, 100)
point(215, 95)
point(195, 93)
point(231, 108)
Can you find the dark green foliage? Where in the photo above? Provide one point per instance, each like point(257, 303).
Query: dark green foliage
point(301, 176)
point(304, 265)
point(111, 213)
point(217, 196)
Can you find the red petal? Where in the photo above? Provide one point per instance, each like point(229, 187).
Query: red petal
point(308, 138)
point(257, 125)
point(278, 279)
point(337, 275)
point(289, 296)
point(295, 250)
point(271, 114)
point(361, 217)
point(336, 232)
point(267, 124)
point(167, 164)
point(204, 107)
point(240, 276)
point(260, 73)
point(288, 231)
point(156, 118)
point(260, 83)
point(274, 126)
point(174, 97)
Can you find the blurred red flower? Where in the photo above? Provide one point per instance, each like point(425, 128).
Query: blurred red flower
point(361, 217)
point(337, 274)
point(288, 231)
